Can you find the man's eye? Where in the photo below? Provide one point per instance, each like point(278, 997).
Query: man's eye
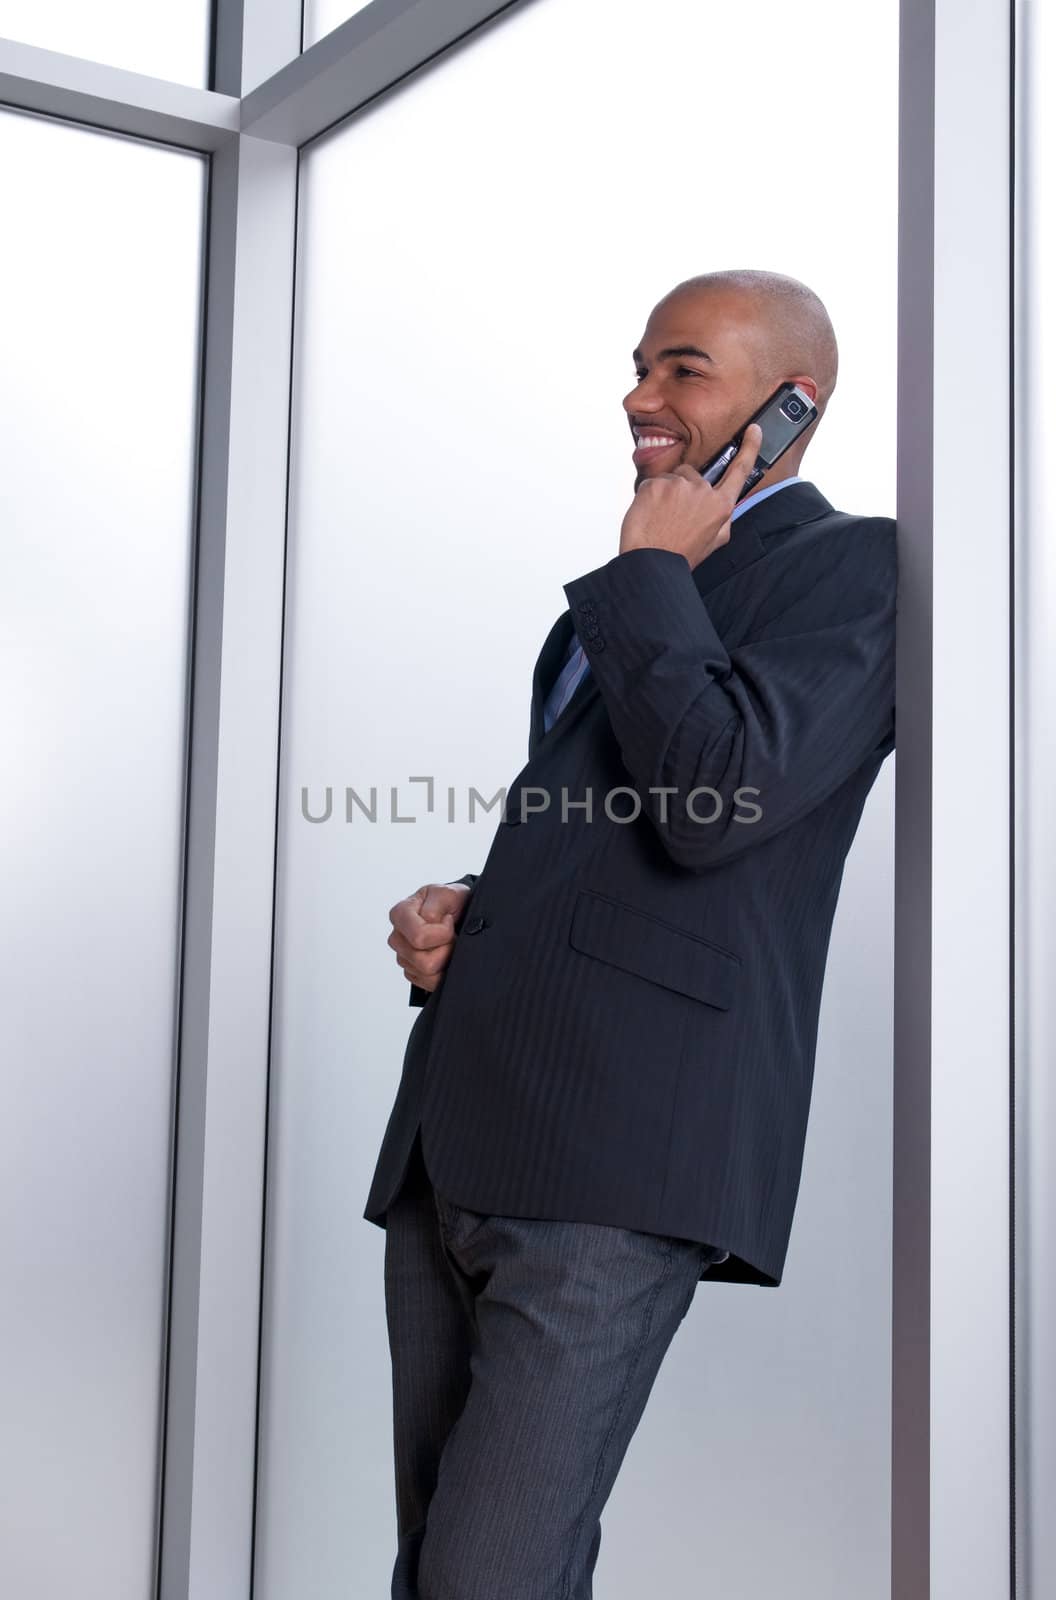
point(689, 372)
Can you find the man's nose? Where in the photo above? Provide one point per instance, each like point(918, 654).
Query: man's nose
point(638, 399)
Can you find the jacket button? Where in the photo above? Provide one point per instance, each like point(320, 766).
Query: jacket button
point(475, 924)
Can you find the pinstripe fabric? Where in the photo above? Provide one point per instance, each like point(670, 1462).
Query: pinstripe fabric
point(625, 1032)
point(576, 663)
point(523, 1355)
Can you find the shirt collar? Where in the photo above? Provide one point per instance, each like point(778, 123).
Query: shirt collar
point(761, 494)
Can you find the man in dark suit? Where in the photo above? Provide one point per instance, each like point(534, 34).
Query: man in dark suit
point(604, 1098)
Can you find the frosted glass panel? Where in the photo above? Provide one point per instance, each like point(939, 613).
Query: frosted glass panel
point(98, 413)
point(323, 16)
point(478, 258)
point(166, 39)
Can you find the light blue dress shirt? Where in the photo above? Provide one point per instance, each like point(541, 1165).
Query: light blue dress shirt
point(576, 665)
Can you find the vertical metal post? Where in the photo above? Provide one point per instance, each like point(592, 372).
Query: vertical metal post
point(1035, 786)
point(951, 1438)
point(211, 1402)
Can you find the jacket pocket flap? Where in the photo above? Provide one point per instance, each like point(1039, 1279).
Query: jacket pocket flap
point(640, 943)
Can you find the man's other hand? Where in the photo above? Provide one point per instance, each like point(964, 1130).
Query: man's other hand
point(424, 927)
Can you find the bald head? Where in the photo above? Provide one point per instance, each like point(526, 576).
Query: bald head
point(713, 350)
point(787, 324)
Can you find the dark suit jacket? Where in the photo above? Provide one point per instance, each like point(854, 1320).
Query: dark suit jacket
point(625, 1032)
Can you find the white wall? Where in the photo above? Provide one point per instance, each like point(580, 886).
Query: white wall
point(478, 257)
point(101, 284)
point(323, 16)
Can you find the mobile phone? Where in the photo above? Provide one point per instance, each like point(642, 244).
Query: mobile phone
point(782, 418)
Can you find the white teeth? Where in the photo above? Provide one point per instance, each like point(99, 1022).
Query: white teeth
point(648, 441)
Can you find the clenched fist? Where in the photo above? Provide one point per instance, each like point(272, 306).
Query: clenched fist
point(424, 928)
point(683, 512)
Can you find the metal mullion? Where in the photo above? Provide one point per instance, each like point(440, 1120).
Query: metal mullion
point(114, 99)
point(208, 1488)
point(291, 97)
point(1035, 780)
point(363, 58)
point(951, 1378)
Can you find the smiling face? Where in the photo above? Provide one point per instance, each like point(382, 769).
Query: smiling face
point(703, 367)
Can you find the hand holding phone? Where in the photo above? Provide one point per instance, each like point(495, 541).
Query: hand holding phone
point(676, 511)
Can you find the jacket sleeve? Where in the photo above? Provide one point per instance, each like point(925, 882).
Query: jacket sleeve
point(419, 996)
point(767, 729)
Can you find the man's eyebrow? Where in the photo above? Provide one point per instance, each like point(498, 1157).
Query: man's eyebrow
point(676, 350)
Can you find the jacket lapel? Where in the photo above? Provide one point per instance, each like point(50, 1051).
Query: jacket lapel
point(778, 513)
